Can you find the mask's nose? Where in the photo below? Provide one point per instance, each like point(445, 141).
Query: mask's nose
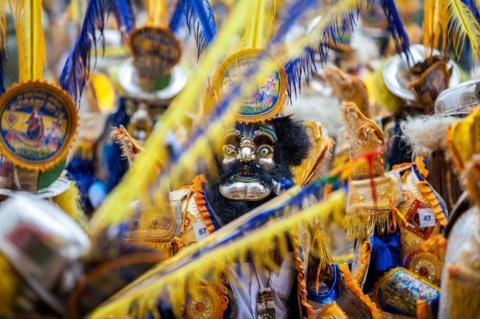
point(247, 154)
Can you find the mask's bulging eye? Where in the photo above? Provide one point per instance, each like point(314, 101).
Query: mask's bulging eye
point(229, 150)
point(265, 151)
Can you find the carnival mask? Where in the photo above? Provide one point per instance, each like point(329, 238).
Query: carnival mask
point(248, 161)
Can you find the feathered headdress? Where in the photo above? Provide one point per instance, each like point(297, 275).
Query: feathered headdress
point(38, 149)
point(179, 168)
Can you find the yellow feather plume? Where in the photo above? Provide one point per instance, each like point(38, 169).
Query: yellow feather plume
point(30, 38)
point(260, 24)
point(440, 18)
point(463, 24)
point(168, 279)
point(3, 26)
point(435, 23)
point(156, 13)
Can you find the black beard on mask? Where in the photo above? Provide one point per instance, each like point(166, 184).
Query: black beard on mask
point(228, 210)
point(264, 176)
point(292, 147)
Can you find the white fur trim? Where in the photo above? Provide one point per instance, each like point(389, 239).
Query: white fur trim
point(426, 134)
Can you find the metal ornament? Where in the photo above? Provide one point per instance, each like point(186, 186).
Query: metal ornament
point(129, 84)
point(265, 305)
point(396, 73)
point(459, 100)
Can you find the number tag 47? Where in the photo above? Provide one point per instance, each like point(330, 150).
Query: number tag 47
point(426, 217)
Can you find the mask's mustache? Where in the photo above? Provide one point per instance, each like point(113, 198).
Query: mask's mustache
point(253, 167)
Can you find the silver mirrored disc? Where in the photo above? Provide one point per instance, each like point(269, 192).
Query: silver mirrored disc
point(126, 79)
point(396, 70)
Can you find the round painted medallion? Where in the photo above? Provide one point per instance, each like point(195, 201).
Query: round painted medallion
point(38, 122)
point(267, 100)
point(155, 50)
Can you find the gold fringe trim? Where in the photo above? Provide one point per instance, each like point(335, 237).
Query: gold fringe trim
point(301, 279)
point(332, 310)
point(362, 224)
point(422, 309)
point(421, 166)
point(364, 260)
point(436, 245)
point(432, 200)
point(463, 292)
point(355, 289)
point(453, 151)
point(428, 193)
point(199, 197)
point(129, 147)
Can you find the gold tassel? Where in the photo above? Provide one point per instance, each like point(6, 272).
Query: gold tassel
point(361, 224)
point(30, 38)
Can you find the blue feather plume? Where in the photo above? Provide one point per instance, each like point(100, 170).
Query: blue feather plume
point(396, 28)
point(294, 11)
point(200, 19)
point(473, 8)
point(178, 14)
point(123, 11)
point(305, 66)
point(299, 68)
point(76, 70)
